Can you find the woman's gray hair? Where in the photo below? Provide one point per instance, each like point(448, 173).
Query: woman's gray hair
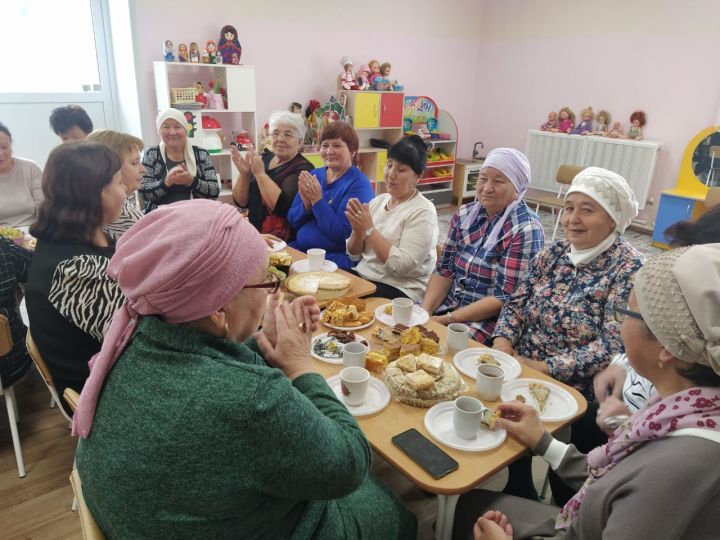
point(289, 119)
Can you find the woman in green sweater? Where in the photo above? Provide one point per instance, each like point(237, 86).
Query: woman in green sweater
point(195, 426)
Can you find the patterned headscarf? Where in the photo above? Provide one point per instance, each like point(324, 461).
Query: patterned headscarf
point(515, 165)
point(183, 261)
point(609, 190)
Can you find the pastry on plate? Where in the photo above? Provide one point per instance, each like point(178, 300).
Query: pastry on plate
point(322, 285)
point(416, 388)
point(540, 394)
point(487, 358)
point(375, 361)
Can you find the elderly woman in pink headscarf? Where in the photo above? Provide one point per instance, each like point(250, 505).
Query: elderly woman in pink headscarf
point(488, 247)
point(196, 425)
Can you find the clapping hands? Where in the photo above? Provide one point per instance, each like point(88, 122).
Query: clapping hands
point(309, 189)
point(358, 215)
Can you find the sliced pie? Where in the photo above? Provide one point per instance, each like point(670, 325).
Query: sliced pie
point(487, 358)
point(540, 393)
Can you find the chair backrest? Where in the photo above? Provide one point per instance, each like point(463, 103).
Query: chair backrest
point(566, 173)
point(90, 529)
point(713, 197)
point(6, 340)
point(72, 397)
point(38, 360)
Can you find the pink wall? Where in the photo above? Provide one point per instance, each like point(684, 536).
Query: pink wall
point(296, 47)
point(654, 55)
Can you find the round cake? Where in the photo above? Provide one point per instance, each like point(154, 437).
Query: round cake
point(447, 385)
point(321, 285)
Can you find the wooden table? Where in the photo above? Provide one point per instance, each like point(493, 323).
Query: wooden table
point(474, 467)
point(360, 287)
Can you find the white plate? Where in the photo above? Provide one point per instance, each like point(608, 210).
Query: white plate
point(302, 266)
point(466, 362)
point(278, 246)
point(419, 316)
point(561, 405)
point(349, 328)
point(439, 423)
point(377, 398)
point(331, 360)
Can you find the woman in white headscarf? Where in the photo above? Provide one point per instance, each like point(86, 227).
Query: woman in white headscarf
point(559, 319)
point(488, 247)
point(655, 477)
point(176, 170)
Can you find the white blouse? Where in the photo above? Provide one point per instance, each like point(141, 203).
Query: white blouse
point(412, 228)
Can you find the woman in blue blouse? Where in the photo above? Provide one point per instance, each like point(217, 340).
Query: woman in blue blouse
point(488, 248)
point(318, 210)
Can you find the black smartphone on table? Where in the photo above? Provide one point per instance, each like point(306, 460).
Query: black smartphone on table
point(425, 453)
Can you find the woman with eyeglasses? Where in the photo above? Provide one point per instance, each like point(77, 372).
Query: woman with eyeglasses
point(226, 432)
point(267, 183)
point(656, 476)
point(560, 319)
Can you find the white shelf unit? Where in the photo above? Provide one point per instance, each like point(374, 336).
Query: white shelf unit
point(439, 190)
point(239, 84)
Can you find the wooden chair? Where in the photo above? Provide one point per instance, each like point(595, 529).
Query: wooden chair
point(44, 373)
point(6, 345)
point(90, 529)
point(713, 197)
point(564, 177)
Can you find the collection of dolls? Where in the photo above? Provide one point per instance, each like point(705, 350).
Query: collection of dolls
point(563, 121)
point(370, 76)
point(225, 51)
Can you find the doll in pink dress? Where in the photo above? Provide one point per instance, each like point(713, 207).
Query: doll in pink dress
point(363, 77)
point(552, 122)
point(585, 127)
point(347, 79)
point(567, 120)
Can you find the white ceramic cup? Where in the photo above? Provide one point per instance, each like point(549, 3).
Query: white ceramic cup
point(467, 414)
point(457, 336)
point(354, 384)
point(316, 259)
point(354, 354)
point(402, 310)
point(489, 381)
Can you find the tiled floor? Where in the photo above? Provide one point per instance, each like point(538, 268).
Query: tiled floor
point(641, 241)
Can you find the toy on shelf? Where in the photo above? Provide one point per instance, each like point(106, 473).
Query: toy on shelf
point(194, 53)
point(200, 94)
point(182, 53)
point(362, 77)
point(603, 123)
point(216, 98)
point(211, 48)
point(585, 126)
point(205, 57)
point(552, 122)
point(265, 144)
point(312, 134)
point(190, 118)
point(567, 120)
point(437, 156)
point(383, 81)
point(637, 121)
point(168, 51)
point(229, 46)
point(212, 140)
point(420, 113)
point(296, 107)
point(374, 66)
point(347, 79)
point(242, 140)
point(616, 132)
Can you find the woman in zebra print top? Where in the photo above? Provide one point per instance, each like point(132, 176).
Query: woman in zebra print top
point(128, 147)
point(70, 298)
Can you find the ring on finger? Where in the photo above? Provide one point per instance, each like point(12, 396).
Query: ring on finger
point(302, 326)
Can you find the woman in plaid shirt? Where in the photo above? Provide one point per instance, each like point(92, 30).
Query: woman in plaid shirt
point(488, 248)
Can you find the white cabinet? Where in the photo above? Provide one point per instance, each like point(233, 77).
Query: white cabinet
point(239, 85)
point(466, 178)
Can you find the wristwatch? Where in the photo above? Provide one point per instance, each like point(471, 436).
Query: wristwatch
point(369, 231)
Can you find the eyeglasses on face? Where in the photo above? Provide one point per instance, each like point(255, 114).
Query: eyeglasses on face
point(621, 312)
point(272, 284)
